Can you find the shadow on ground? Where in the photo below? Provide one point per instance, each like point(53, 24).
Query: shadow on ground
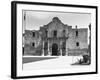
point(34, 59)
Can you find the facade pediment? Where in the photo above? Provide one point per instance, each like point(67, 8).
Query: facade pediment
point(55, 24)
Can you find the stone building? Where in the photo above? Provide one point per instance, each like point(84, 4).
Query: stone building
point(56, 39)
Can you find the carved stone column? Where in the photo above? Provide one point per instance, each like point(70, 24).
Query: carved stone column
point(60, 47)
point(48, 49)
point(43, 49)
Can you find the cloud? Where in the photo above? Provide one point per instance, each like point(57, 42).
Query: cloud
point(38, 15)
point(35, 19)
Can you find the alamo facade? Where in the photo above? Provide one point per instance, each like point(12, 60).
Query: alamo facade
point(56, 39)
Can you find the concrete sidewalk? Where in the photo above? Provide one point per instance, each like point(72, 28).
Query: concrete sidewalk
point(57, 63)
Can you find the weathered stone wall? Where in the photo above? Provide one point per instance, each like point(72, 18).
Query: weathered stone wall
point(81, 38)
point(29, 49)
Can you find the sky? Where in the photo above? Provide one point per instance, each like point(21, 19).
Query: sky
point(35, 19)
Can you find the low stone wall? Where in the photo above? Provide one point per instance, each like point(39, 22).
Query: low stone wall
point(77, 52)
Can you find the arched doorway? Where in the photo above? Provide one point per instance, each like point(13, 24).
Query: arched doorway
point(54, 49)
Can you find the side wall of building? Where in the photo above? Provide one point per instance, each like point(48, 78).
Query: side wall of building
point(81, 39)
point(32, 42)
